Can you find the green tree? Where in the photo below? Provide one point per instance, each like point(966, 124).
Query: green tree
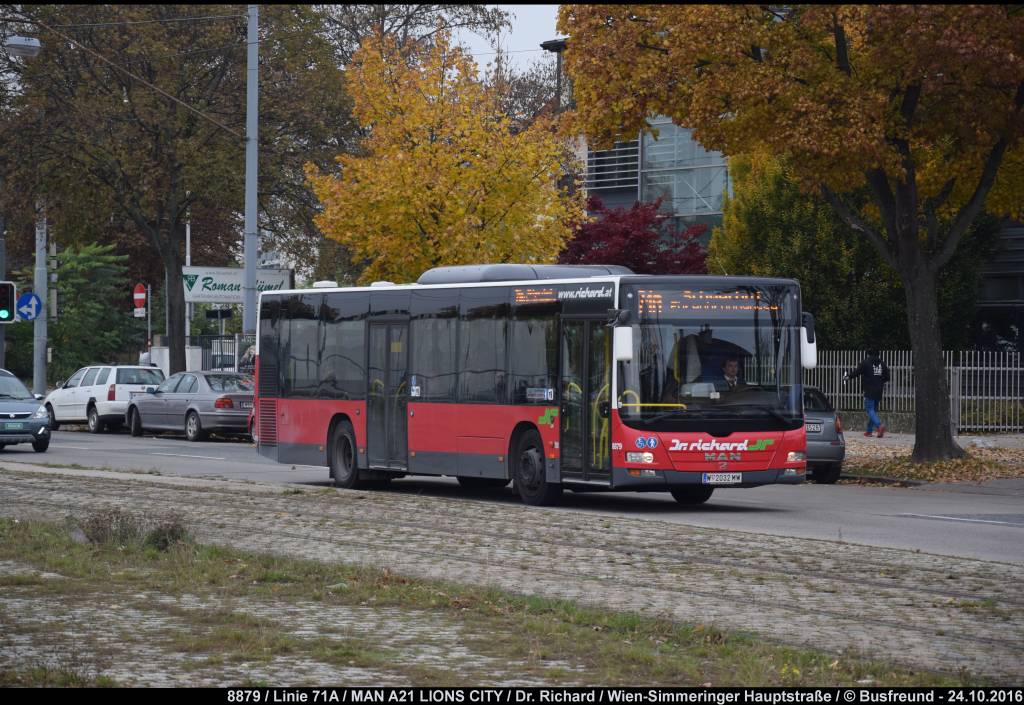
point(94, 324)
point(772, 228)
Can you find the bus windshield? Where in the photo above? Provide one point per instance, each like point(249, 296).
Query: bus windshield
point(714, 359)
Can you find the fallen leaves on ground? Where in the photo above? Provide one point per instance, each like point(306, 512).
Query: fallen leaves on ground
point(980, 464)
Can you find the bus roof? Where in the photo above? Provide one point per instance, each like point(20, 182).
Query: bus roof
point(627, 278)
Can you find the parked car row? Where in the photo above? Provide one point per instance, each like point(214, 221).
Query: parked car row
point(195, 403)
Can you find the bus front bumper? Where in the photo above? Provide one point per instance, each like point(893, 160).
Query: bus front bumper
point(663, 480)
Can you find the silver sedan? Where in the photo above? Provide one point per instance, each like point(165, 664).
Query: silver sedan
point(195, 403)
point(826, 446)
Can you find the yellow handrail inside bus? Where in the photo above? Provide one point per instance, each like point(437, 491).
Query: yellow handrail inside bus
point(597, 438)
point(567, 422)
point(624, 393)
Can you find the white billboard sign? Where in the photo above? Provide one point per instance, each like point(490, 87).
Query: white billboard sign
point(224, 284)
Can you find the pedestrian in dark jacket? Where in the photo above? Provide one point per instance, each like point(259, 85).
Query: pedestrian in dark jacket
point(874, 373)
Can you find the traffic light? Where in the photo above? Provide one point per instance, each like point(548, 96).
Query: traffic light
point(7, 301)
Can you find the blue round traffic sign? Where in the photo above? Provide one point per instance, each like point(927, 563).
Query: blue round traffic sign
point(29, 306)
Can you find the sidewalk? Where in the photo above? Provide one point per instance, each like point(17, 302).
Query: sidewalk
point(855, 437)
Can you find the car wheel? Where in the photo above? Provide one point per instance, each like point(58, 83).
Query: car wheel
point(827, 474)
point(134, 422)
point(482, 483)
point(194, 428)
point(41, 446)
point(2, 446)
point(529, 474)
point(698, 494)
point(93, 421)
point(54, 426)
point(343, 457)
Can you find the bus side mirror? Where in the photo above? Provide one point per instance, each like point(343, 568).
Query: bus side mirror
point(622, 344)
point(808, 343)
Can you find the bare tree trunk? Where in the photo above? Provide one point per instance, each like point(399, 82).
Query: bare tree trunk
point(933, 429)
point(175, 306)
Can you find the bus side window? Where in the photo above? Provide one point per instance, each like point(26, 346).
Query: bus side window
point(483, 327)
point(343, 360)
point(533, 357)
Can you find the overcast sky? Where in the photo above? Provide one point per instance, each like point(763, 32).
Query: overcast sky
point(531, 25)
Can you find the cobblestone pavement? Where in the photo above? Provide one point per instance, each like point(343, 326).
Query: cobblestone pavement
point(921, 610)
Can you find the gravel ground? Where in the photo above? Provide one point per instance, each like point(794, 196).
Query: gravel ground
point(926, 611)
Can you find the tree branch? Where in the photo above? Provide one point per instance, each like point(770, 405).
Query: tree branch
point(851, 218)
point(842, 49)
point(973, 207)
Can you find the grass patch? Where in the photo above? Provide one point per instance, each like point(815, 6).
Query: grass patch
point(554, 641)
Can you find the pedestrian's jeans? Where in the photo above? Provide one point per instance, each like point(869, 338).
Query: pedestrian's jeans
point(873, 420)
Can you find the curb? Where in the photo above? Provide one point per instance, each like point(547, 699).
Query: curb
point(883, 479)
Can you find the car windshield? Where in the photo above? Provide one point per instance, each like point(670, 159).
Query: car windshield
point(140, 375)
point(12, 388)
point(230, 383)
point(712, 357)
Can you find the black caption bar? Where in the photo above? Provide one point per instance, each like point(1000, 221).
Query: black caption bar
point(607, 696)
point(623, 696)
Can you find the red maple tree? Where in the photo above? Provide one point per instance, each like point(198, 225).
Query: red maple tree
point(637, 237)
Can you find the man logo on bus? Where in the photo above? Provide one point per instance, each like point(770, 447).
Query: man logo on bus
point(652, 442)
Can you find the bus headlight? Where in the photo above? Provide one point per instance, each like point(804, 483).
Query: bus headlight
point(796, 456)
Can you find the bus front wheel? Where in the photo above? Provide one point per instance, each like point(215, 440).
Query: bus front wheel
point(343, 457)
point(528, 472)
point(692, 495)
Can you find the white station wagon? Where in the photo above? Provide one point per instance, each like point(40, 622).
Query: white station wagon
point(98, 395)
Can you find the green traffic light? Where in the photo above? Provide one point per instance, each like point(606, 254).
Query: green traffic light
point(4, 313)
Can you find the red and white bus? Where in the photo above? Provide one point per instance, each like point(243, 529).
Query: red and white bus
point(546, 376)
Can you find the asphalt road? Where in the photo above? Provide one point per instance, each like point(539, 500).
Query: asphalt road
point(982, 522)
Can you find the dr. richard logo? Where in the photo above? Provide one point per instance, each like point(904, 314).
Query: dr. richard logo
point(723, 446)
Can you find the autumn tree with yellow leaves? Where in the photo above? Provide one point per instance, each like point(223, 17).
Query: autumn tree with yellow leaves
point(916, 111)
point(442, 178)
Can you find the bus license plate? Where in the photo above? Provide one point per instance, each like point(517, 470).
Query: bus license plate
point(14, 426)
point(722, 478)
point(814, 428)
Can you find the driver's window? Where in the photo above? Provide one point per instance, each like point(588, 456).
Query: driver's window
point(169, 384)
point(75, 378)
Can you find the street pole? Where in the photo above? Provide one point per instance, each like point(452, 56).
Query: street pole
point(188, 263)
point(149, 322)
point(251, 144)
point(42, 290)
point(3, 277)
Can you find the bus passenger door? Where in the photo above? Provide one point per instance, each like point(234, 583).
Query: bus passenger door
point(585, 388)
point(387, 398)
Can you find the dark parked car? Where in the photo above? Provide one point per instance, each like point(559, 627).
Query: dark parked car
point(23, 419)
point(194, 402)
point(826, 447)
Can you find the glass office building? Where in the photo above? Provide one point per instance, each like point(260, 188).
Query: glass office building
point(690, 180)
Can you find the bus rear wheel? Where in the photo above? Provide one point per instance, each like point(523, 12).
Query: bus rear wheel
point(697, 494)
point(343, 457)
point(528, 472)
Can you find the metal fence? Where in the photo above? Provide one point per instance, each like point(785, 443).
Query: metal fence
point(227, 352)
point(985, 387)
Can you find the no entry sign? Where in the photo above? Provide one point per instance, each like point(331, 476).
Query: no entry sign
point(139, 295)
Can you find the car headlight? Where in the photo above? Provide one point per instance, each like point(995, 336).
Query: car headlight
point(41, 413)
